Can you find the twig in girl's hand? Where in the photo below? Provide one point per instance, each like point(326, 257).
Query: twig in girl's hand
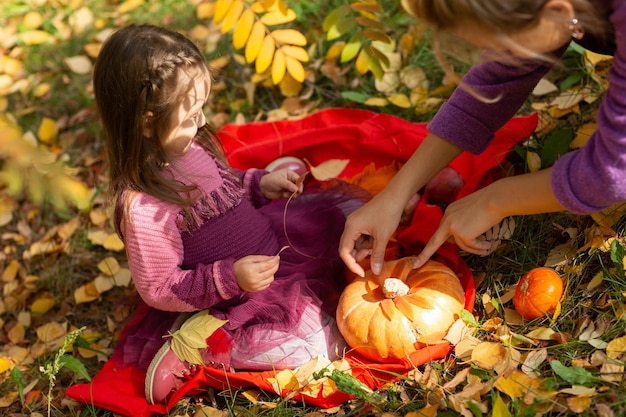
point(283, 249)
point(299, 182)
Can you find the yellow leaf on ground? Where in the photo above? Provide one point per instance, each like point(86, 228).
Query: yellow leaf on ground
point(376, 102)
point(205, 11)
point(583, 134)
point(400, 100)
point(109, 266)
point(328, 169)
point(616, 347)
point(97, 237)
point(488, 354)
point(79, 64)
point(42, 305)
point(534, 161)
point(515, 385)
point(10, 272)
point(428, 411)
point(113, 242)
point(35, 37)
point(499, 408)
point(86, 293)
point(32, 20)
point(48, 131)
point(5, 364)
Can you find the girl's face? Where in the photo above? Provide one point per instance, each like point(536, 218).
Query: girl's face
point(188, 117)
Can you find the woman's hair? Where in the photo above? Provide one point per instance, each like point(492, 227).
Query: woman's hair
point(502, 17)
point(138, 70)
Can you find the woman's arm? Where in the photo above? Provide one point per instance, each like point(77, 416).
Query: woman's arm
point(372, 225)
point(468, 218)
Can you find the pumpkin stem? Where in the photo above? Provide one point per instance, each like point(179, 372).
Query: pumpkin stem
point(394, 287)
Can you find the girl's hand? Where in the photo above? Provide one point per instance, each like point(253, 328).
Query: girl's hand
point(255, 272)
point(281, 183)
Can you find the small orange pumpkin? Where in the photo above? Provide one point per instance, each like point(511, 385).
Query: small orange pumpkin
point(389, 316)
point(538, 293)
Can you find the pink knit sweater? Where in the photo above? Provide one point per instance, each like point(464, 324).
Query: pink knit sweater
point(181, 264)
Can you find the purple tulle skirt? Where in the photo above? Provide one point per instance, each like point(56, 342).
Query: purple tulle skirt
point(293, 320)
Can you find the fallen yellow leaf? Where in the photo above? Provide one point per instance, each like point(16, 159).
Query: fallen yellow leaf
point(42, 305)
point(488, 354)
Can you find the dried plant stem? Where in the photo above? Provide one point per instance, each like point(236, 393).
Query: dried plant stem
point(300, 180)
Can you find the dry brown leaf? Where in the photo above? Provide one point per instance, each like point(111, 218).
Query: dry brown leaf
point(328, 169)
point(122, 278)
point(51, 332)
point(97, 237)
point(533, 361)
point(103, 283)
point(17, 333)
point(488, 354)
point(544, 87)
point(578, 404)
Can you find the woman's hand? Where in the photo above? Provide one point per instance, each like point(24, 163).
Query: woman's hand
point(256, 272)
point(367, 232)
point(281, 183)
point(466, 220)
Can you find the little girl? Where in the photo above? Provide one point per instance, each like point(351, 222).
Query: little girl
point(200, 235)
point(525, 38)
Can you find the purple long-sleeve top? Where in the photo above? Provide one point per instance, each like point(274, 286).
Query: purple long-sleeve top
point(585, 180)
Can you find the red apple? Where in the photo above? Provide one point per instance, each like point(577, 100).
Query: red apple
point(290, 162)
point(444, 187)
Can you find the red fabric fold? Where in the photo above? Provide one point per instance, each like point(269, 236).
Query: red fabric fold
point(362, 137)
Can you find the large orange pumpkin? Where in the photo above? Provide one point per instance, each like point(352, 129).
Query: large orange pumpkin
point(389, 316)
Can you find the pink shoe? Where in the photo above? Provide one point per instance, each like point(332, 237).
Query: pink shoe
point(166, 374)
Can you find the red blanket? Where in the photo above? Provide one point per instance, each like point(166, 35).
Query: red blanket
point(362, 137)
